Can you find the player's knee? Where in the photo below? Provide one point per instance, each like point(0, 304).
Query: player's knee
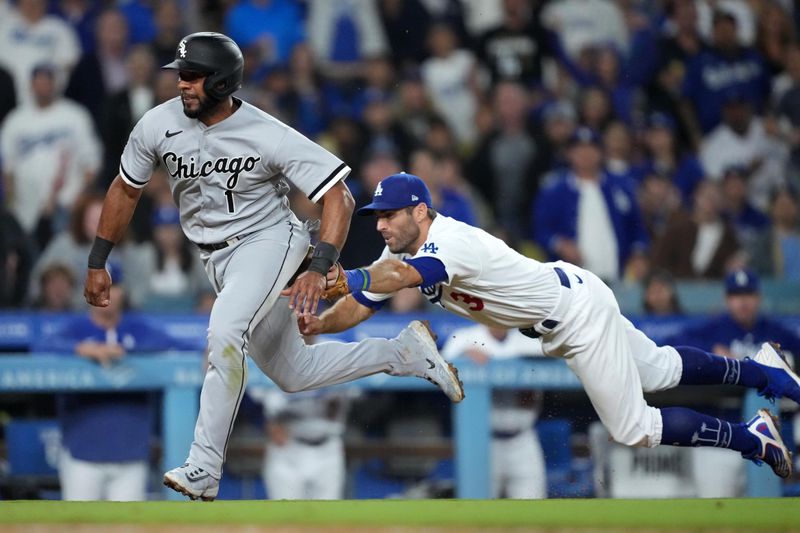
point(287, 384)
point(634, 437)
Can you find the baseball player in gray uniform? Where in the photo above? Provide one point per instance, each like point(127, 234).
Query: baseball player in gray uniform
point(475, 275)
point(227, 163)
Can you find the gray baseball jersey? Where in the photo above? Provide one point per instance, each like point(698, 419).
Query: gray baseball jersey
point(227, 179)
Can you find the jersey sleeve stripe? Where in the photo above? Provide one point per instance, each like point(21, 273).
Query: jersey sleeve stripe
point(129, 180)
point(333, 178)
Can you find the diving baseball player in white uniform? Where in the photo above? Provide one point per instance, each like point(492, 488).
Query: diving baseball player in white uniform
point(467, 271)
point(228, 163)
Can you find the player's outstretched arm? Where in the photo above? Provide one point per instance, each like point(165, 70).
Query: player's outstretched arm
point(118, 207)
point(337, 209)
point(343, 315)
point(383, 277)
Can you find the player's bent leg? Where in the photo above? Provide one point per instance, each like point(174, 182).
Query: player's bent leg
point(659, 367)
point(703, 368)
point(281, 353)
point(758, 440)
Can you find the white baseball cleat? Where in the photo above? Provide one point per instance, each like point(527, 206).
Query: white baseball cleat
point(192, 481)
point(781, 380)
point(421, 341)
point(771, 449)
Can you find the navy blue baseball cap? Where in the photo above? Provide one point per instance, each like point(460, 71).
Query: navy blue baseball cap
point(396, 192)
point(741, 281)
point(658, 119)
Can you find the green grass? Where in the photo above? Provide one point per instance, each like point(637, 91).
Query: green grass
point(745, 514)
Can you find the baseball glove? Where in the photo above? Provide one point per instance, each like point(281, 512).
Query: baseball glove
point(336, 287)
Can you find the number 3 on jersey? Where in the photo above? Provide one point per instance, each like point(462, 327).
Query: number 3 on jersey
point(473, 302)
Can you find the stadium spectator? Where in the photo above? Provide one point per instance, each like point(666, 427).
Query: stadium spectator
point(739, 11)
point(660, 296)
point(736, 334)
point(170, 28)
point(446, 200)
point(502, 167)
point(304, 458)
point(406, 24)
point(50, 154)
point(663, 155)
point(122, 109)
point(516, 48)
point(273, 26)
point(582, 24)
point(618, 149)
point(589, 217)
point(749, 142)
point(658, 200)
point(699, 243)
point(344, 34)
point(82, 16)
point(309, 106)
point(8, 95)
point(106, 436)
point(594, 108)
point(413, 110)
point(679, 43)
point(141, 23)
point(178, 273)
point(750, 224)
point(102, 72)
point(72, 247)
point(552, 139)
point(786, 94)
point(450, 78)
point(16, 261)
point(56, 289)
point(382, 131)
point(724, 67)
point(775, 34)
point(36, 38)
point(517, 459)
point(785, 238)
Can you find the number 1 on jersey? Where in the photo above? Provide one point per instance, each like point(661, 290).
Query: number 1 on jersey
point(229, 195)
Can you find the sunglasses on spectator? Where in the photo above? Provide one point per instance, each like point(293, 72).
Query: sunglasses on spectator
point(188, 75)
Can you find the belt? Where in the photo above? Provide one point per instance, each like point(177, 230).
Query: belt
point(550, 323)
point(505, 435)
point(312, 442)
point(213, 246)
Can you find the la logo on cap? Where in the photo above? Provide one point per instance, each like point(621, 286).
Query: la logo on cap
point(741, 278)
point(378, 190)
point(414, 197)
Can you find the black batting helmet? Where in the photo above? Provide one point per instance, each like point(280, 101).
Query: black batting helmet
point(215, 55)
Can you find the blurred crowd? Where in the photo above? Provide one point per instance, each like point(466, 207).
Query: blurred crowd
point(637, 138)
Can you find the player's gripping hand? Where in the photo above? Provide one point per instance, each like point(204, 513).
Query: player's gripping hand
point(97, 287)
point(335, 284)
point(305, 292)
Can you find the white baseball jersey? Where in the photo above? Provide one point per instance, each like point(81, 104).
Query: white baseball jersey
point(487, 281)
point(228, 179)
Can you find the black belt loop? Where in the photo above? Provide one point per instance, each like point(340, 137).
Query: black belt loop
point(505, 435)
point(214, 246)
point(312, 442)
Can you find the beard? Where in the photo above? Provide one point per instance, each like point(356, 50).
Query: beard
point(205, 107)
point(405, 239)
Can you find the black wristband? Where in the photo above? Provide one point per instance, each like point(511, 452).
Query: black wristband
point(101, 248)
point(324, 256)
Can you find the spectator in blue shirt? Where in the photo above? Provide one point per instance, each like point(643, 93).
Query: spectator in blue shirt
point(105, 437)
point(589, 217)
point(722, 67)
point(274, 26)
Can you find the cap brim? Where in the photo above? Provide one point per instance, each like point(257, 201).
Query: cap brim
point(378, 206)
